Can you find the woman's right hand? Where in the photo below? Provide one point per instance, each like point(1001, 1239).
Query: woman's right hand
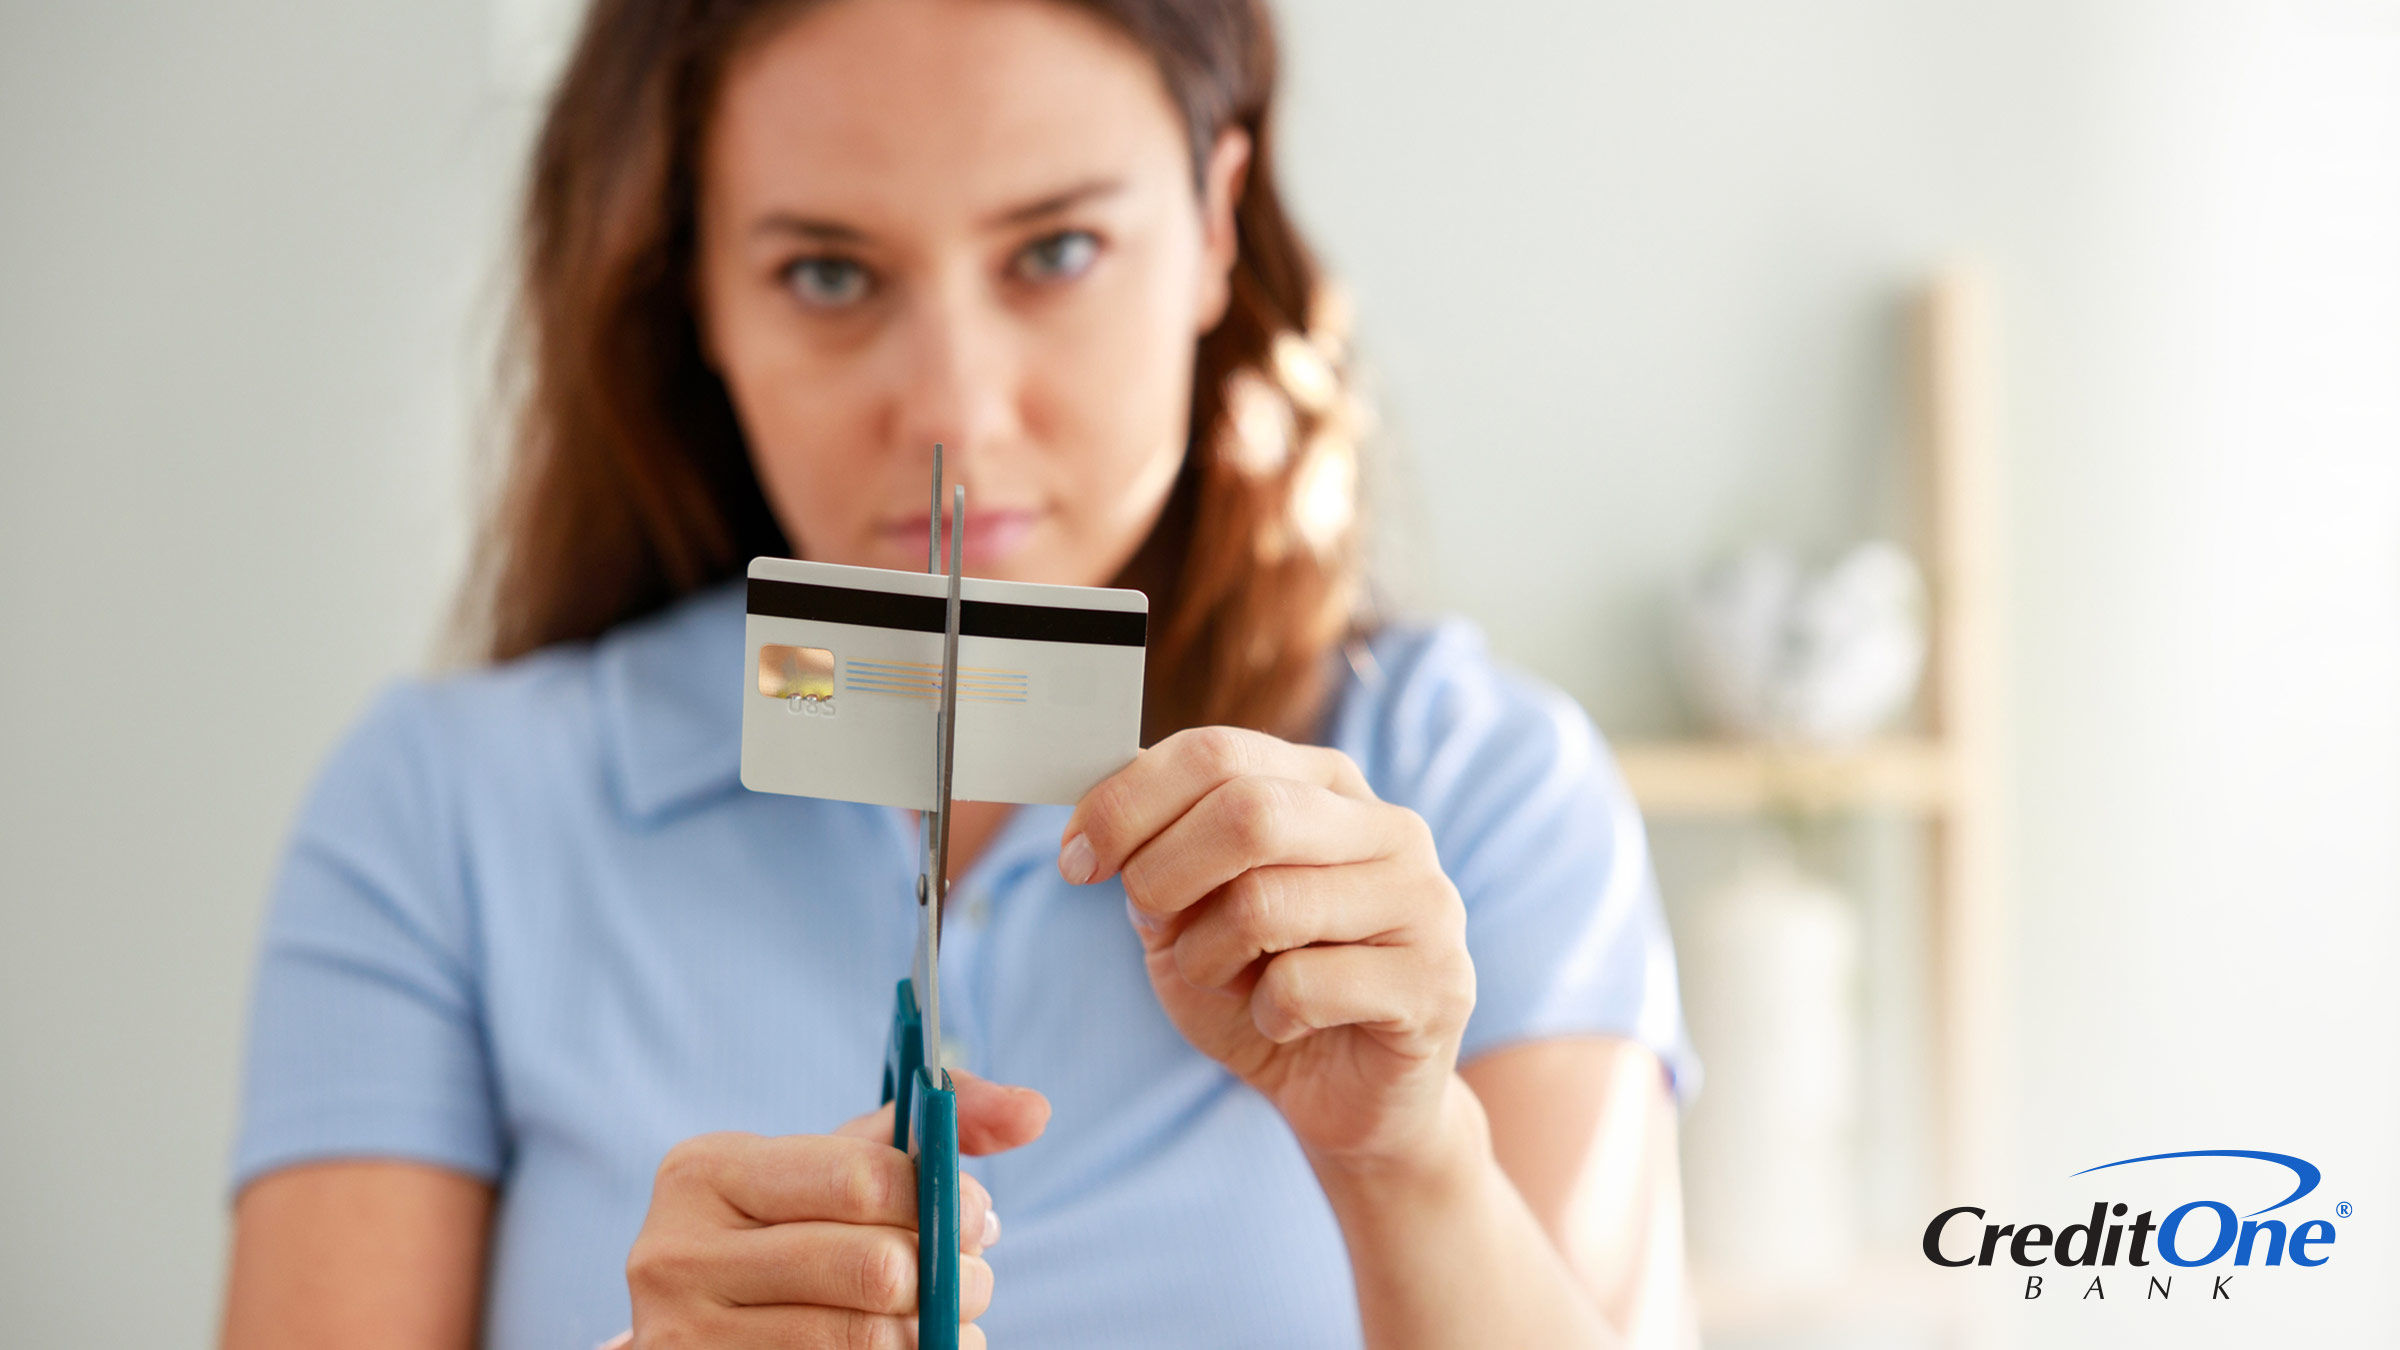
point(811, 1239)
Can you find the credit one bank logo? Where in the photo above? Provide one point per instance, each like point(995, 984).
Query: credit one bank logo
point(2197, 1233)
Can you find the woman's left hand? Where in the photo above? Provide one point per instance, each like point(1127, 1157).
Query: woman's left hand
point(1297, 929)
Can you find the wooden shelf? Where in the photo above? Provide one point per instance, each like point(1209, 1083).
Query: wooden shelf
point(1947, 777)
point(1701, 778)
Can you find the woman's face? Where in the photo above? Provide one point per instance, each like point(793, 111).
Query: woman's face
point(970, 222)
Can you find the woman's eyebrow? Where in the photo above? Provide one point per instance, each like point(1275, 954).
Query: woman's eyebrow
point(809, 227)
point(1056, 202)
point(821, 230)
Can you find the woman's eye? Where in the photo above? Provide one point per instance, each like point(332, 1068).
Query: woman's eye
point(1059, 257)
point(827, 283)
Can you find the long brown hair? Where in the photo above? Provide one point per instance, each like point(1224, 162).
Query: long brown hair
point(629, 484)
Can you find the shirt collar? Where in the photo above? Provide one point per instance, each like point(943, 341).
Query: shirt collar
point(670, 701)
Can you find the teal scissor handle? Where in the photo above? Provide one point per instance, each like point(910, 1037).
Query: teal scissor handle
point(925, 1122)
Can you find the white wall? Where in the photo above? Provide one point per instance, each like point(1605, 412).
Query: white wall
point(238, 246)
point(1628, 274)
point(2208, 615)
point(1629, 271)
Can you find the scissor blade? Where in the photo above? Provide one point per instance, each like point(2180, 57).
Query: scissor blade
point(946, 733)
point(923, 962)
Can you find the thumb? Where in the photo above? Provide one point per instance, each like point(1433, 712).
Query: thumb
point(992, 1117)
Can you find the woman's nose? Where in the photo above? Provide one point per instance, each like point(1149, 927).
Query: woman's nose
point(958, 387)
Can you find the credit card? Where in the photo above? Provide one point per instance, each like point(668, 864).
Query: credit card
point(843, 672)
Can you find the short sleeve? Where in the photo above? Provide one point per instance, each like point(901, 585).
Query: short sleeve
point(366, 1037)
point(1539, 833)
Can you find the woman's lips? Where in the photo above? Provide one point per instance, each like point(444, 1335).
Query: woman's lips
point(991, 535)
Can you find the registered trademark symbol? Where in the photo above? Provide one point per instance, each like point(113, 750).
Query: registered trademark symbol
point(2342, 1210)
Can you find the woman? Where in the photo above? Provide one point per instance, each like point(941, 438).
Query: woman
point(1342, 1009)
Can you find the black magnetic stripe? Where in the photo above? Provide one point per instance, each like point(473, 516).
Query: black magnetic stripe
point(926, 613)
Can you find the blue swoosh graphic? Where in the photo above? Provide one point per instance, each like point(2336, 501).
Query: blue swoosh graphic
point(2301, 1168)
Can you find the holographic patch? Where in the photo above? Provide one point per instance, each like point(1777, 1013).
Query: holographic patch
point(795, 672)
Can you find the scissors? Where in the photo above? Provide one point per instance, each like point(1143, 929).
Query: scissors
point(925, 1111)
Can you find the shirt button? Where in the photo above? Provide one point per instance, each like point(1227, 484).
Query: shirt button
point(954, 1052)
point(979, 910)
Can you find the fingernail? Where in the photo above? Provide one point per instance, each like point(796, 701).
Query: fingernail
point(1075, 861)
point(1144, 921)
point(991, 1227)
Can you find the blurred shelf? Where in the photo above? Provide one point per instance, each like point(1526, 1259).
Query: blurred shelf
point(1948, 778)
point(1885, 1291)
point(1700, 778)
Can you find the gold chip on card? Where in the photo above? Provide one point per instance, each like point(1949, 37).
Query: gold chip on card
point(795, 672)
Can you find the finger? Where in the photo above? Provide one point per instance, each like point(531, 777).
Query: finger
point(992, 1117)
point(1257, 822)
point(995, 1117)
point(974, 1287)
point(797, 1177)
point(1124, 810)
point(1268, 910)
point(787, 1328)
point(1394, 991)
point(978, 1227)
point(864, 1267)
point(825, 1329)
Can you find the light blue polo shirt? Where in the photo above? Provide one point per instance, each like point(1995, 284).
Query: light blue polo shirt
point(532, 927)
